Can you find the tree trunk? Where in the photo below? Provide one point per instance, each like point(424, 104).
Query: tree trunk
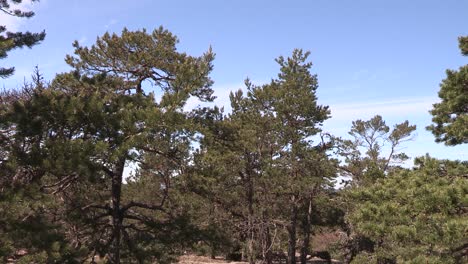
point(267, 242)
point(250, 249)
point(249, 197)
point(350, 248)
point(292, 232)
point(306, 226)
point(251, 222)
point(268, 254)
point(114, 254)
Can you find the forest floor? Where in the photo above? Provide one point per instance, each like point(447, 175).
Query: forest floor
point(192, 259)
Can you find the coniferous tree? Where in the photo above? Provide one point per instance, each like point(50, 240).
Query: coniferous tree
point(28, 230)
point(232, 162)
point(13, 40)
point(373, 152)
point(292, 100)
point(88, 125)
point(260, 159)
point(415, 216)
point(374, 149)
point(450, 116)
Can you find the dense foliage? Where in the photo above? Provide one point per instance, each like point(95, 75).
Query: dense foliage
point(450, 116)
point(260, 159)
point(415, 216)
point(75, 137)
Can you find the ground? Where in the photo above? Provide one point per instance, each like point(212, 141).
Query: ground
point(192, 259)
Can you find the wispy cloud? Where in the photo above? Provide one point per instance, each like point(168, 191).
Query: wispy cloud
point(14, 23)
point(345, 110)
point(111, 23)
point(83, 40)
point(390, 107)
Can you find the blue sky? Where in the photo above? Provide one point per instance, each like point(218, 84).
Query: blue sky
point(371, 57)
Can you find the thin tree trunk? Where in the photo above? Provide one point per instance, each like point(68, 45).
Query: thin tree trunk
point(251, 221)
point(292, 232)
point(114, 253)
point(268, 243)
point(212, 222)
point(307, 231)
point(350, 249)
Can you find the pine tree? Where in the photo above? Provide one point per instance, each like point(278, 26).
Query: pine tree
point(13, 40)
point(450, 116)
point(28, 230)
point(260, 159)
point(89, 124)
point(374, 149)
point(232, 163)
point(291, 98)
point(415, 216)
point(372, 153)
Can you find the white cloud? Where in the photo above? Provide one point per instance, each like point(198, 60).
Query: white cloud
point(341, 111)
point(391, 107)
point(14, 23)
point(83, 40)
point(111, 23)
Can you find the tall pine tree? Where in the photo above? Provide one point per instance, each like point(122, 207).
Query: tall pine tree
point(292, 100)
point(85, 128)
point(450, 116)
